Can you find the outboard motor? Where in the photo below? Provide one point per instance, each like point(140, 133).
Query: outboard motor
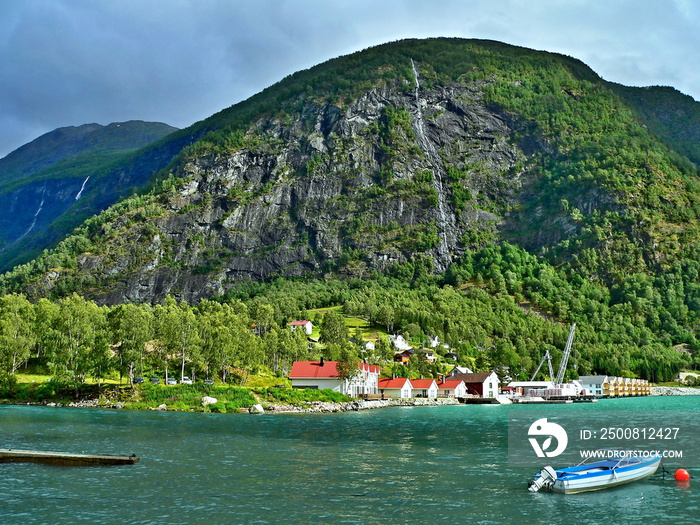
point(547, 477)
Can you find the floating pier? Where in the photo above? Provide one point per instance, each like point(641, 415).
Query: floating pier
point(60, 458)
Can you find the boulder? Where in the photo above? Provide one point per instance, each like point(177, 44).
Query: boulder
point(208, 400)
point(256, 409)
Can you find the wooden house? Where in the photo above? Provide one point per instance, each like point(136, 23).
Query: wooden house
point(452, 388)
point(482, 384)
point(400, 387)
point(307, 326)
point(424, 388)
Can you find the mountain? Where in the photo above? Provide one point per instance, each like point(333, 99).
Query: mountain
point(43, 181)
point(418, 152)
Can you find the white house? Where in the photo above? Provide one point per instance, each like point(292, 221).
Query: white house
point(305, 325)
point(427, 354)
point(324, 374)
point(452, 388)
point(460, 370)
point(399, 387)
point(424, 388)
point(598, 386)
point(483, 384)
point(399, 342)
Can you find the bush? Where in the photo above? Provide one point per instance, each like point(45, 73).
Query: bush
point(298, 396)
point(188, 397)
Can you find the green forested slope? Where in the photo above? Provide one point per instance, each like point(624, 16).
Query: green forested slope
point(586, 213)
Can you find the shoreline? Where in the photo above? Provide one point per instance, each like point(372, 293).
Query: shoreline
point(674, 391)
point(268, 408)
point(360, 404)
point(314, 406)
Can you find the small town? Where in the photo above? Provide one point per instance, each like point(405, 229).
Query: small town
point(460, 383)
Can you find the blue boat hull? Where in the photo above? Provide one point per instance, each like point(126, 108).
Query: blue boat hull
point(602, 475)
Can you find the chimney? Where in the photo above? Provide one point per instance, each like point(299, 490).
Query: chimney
point(320, 363)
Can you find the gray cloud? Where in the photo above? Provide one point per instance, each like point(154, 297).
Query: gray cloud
point(70, 62)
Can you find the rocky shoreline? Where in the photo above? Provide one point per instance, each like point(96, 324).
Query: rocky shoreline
point(329, 407)
point(674, 391)
point(353, 406)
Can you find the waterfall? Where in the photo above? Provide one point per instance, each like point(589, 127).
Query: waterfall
point(34, 219)
point(82, 188)
point(446, 219)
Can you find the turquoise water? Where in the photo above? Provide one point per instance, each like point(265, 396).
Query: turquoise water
point(398, 465)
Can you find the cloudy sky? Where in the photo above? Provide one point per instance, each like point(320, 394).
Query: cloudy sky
point(71, 62)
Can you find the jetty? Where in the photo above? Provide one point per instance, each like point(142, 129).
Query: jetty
point(61, 458)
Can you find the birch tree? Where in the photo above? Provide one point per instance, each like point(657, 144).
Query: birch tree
point(16, 332)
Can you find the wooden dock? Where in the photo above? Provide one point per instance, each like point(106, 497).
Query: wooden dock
point(60, 458)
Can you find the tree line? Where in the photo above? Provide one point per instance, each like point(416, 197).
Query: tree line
point(498, 308)
point(74, 338)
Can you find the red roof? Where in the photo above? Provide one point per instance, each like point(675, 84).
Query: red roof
point(470, 379)
point(387, 382)
point(314, 369)
point(300, 323)
point(422, 383)
point(329, 369)
point(450, 384)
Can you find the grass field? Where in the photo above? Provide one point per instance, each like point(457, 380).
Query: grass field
point(369, 332)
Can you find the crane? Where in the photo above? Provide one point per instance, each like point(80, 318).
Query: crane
point(549, 361)
point(565, 356)
point(564, 360)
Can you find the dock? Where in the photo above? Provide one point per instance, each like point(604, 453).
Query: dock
point(554, 400)
point(60, 458)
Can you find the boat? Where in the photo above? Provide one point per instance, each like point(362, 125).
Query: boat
point(595, 475)
point(60, 458)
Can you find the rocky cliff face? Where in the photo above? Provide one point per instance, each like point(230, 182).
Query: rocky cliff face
point(395, 175)
point(404, 156)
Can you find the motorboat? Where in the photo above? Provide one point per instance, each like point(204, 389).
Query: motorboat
point(595, 475)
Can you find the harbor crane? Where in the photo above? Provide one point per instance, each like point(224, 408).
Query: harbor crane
point(564, 360)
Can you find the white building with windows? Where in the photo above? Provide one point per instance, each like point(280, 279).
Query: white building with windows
point(425, 388)
point(324, 374)
point(598, 386)
point(307, 326)
point(400, 387)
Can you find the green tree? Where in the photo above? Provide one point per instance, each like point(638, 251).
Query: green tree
point(75, 347)
point(383, 348)
point(17, 337)
point(333, 329)
point(348, 367)
point(218, 325)
point(131, 327)
point(178, 333)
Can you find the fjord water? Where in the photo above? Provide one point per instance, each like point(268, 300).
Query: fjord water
point(396, 465)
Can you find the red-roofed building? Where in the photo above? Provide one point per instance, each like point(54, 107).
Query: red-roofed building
point(305, 325)
point(424, 388)
point(324, 374)
point(452, 388)
point(398, 387)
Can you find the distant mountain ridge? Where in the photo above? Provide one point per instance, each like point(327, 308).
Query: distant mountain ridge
point(44, 179)
point(63, 143)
